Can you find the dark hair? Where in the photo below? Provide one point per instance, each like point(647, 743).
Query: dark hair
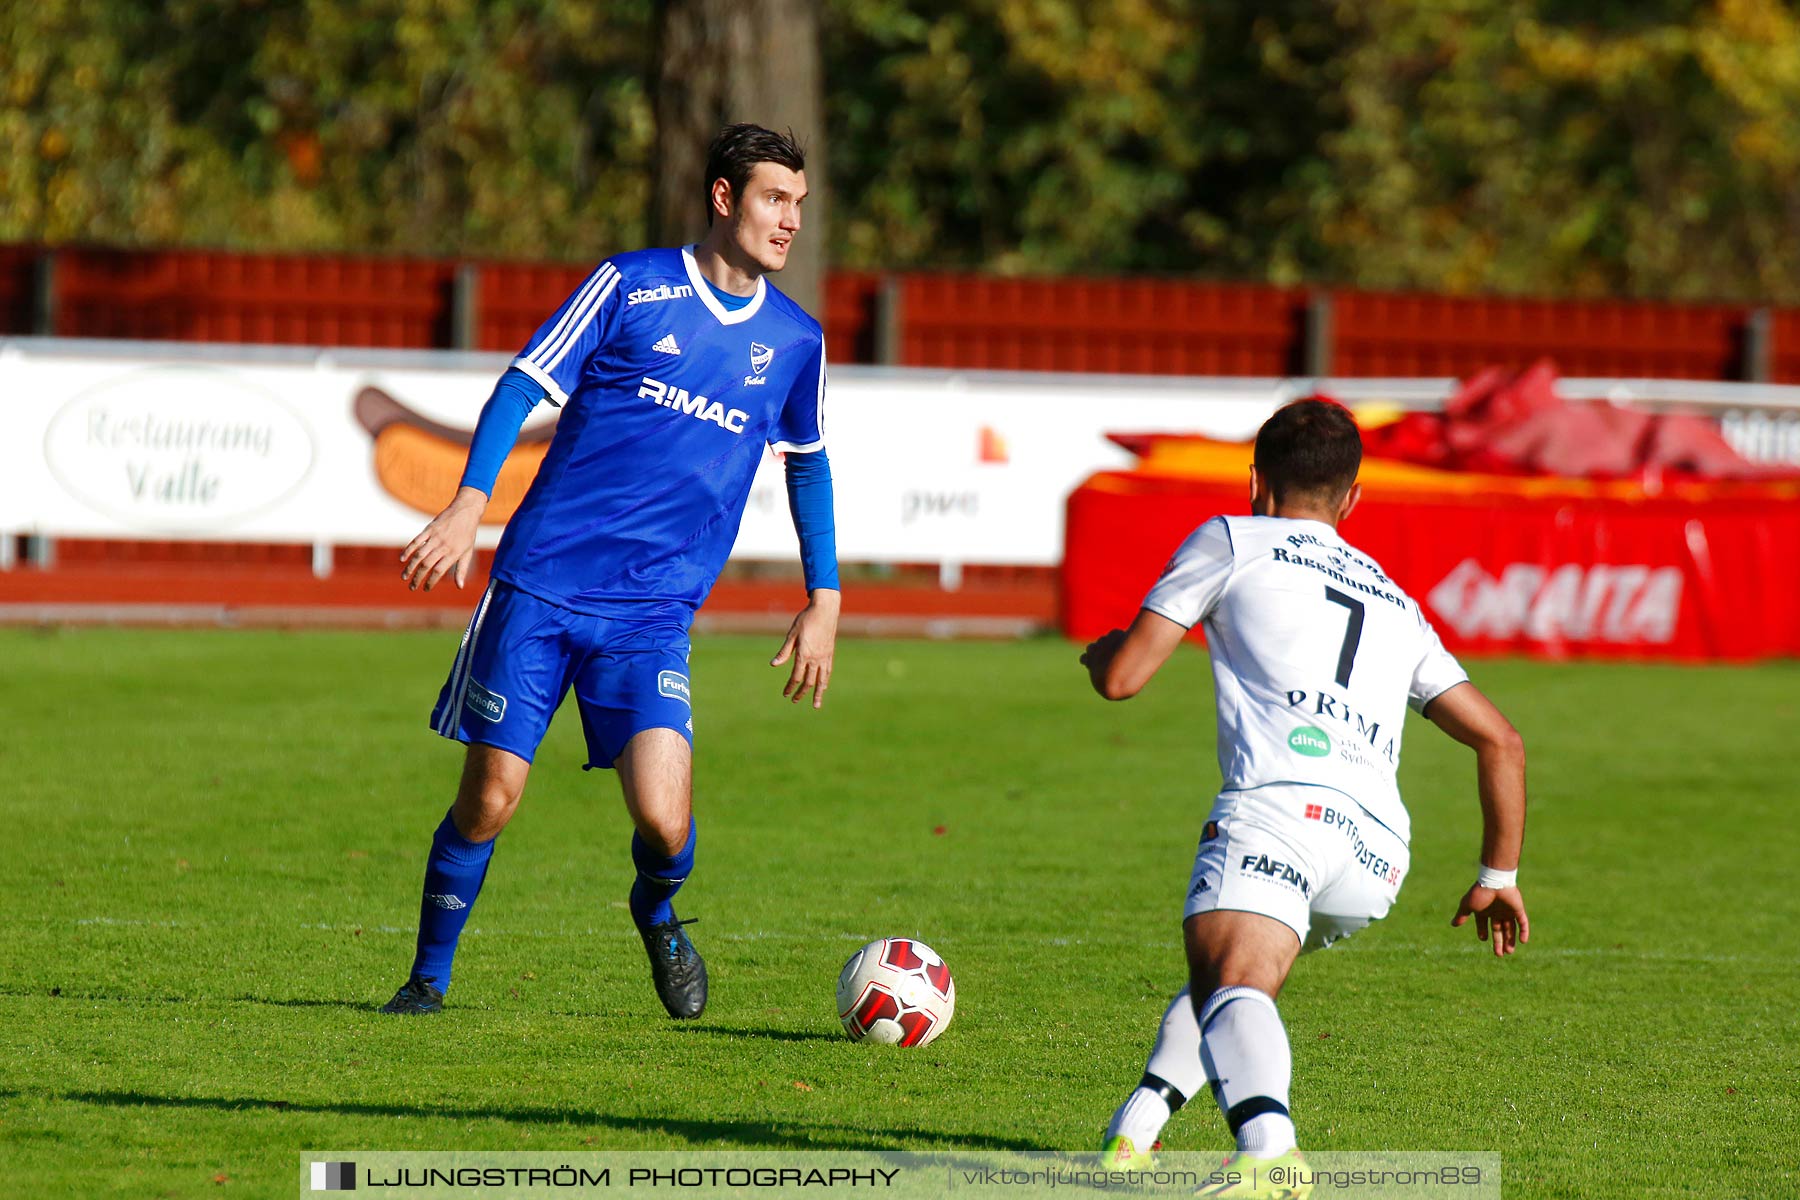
point(1310, 449)
point(734, 154)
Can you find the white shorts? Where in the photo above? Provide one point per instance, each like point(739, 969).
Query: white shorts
point(1308, 856)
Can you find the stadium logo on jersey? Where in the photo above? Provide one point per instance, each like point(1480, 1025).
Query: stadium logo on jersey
point(1309, 740)
point(697, 407)
point(659, 293)
point(489, 706)
point(674, 685)
point(666, 345)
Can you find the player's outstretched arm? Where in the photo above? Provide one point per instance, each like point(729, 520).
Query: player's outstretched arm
point(1122, 662)
point(1495, 903)
point(446, 545)
point(810, 643)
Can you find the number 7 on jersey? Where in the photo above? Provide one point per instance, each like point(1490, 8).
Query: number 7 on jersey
point(1352, 633)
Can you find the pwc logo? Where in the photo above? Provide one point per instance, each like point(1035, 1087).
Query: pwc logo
point(697, 407)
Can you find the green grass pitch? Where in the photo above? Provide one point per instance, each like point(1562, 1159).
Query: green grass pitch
point(219, 837)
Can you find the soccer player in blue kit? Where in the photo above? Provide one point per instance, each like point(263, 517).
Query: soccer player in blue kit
point(673, 368)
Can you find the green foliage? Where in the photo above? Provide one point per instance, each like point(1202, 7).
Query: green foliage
point(1551, 146)
point(513, 128)
point(1052, 136)
point(1637, 150)
point(1453, 145)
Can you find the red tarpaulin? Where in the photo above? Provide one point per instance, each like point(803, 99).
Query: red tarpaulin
point(1551, 567)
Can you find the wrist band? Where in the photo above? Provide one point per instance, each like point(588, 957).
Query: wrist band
point(1490, 878)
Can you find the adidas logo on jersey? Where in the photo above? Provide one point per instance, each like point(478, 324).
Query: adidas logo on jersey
point(667, 345)
point(698, 407)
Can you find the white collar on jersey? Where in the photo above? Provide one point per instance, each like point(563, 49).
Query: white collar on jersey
point(704, 290)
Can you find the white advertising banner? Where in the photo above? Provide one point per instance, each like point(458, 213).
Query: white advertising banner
point(122, 440)
point(338, 447)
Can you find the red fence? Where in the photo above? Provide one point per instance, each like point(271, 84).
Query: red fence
point(1386, 334)
point(916, 319)
point(1130, 326)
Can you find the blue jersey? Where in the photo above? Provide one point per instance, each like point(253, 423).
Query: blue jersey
point(668, 398)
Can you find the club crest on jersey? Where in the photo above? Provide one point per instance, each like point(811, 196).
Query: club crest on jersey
point(760, 358)
point(697, 407)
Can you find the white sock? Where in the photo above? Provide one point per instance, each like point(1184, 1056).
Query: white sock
point(1172, 1075)
point(1175, 1059)
point(1140, 1118)
point(1244, 1049)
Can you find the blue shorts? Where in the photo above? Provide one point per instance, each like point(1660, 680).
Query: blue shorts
point(521, 655)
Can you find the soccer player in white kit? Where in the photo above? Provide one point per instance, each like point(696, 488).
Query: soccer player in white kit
point(1316, 655)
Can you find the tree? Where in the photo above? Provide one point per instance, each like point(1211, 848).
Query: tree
point(723, 61)
point(1591, 147)
point(418, 126)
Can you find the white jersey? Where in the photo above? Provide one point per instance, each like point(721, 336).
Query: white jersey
point(1315, 656)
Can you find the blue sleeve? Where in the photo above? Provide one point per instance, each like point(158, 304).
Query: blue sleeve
point(809, 499)
point(514, 397)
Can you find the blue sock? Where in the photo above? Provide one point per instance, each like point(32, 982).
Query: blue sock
point(453, 876)
point(659, 877)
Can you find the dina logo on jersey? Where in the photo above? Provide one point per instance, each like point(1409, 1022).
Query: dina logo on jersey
point(659, 293)
point(697, 407)
point(1309, 740)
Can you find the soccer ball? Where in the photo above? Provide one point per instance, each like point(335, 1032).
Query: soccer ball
point(896, 991)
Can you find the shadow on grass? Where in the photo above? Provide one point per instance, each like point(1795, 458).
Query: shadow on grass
point(774, 1035)
point(773, 1134)
point(352, 1005)
point(57, 993)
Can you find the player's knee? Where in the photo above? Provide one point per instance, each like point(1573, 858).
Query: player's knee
point(483, 807)
point(666, 833)
point(1235, 968)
